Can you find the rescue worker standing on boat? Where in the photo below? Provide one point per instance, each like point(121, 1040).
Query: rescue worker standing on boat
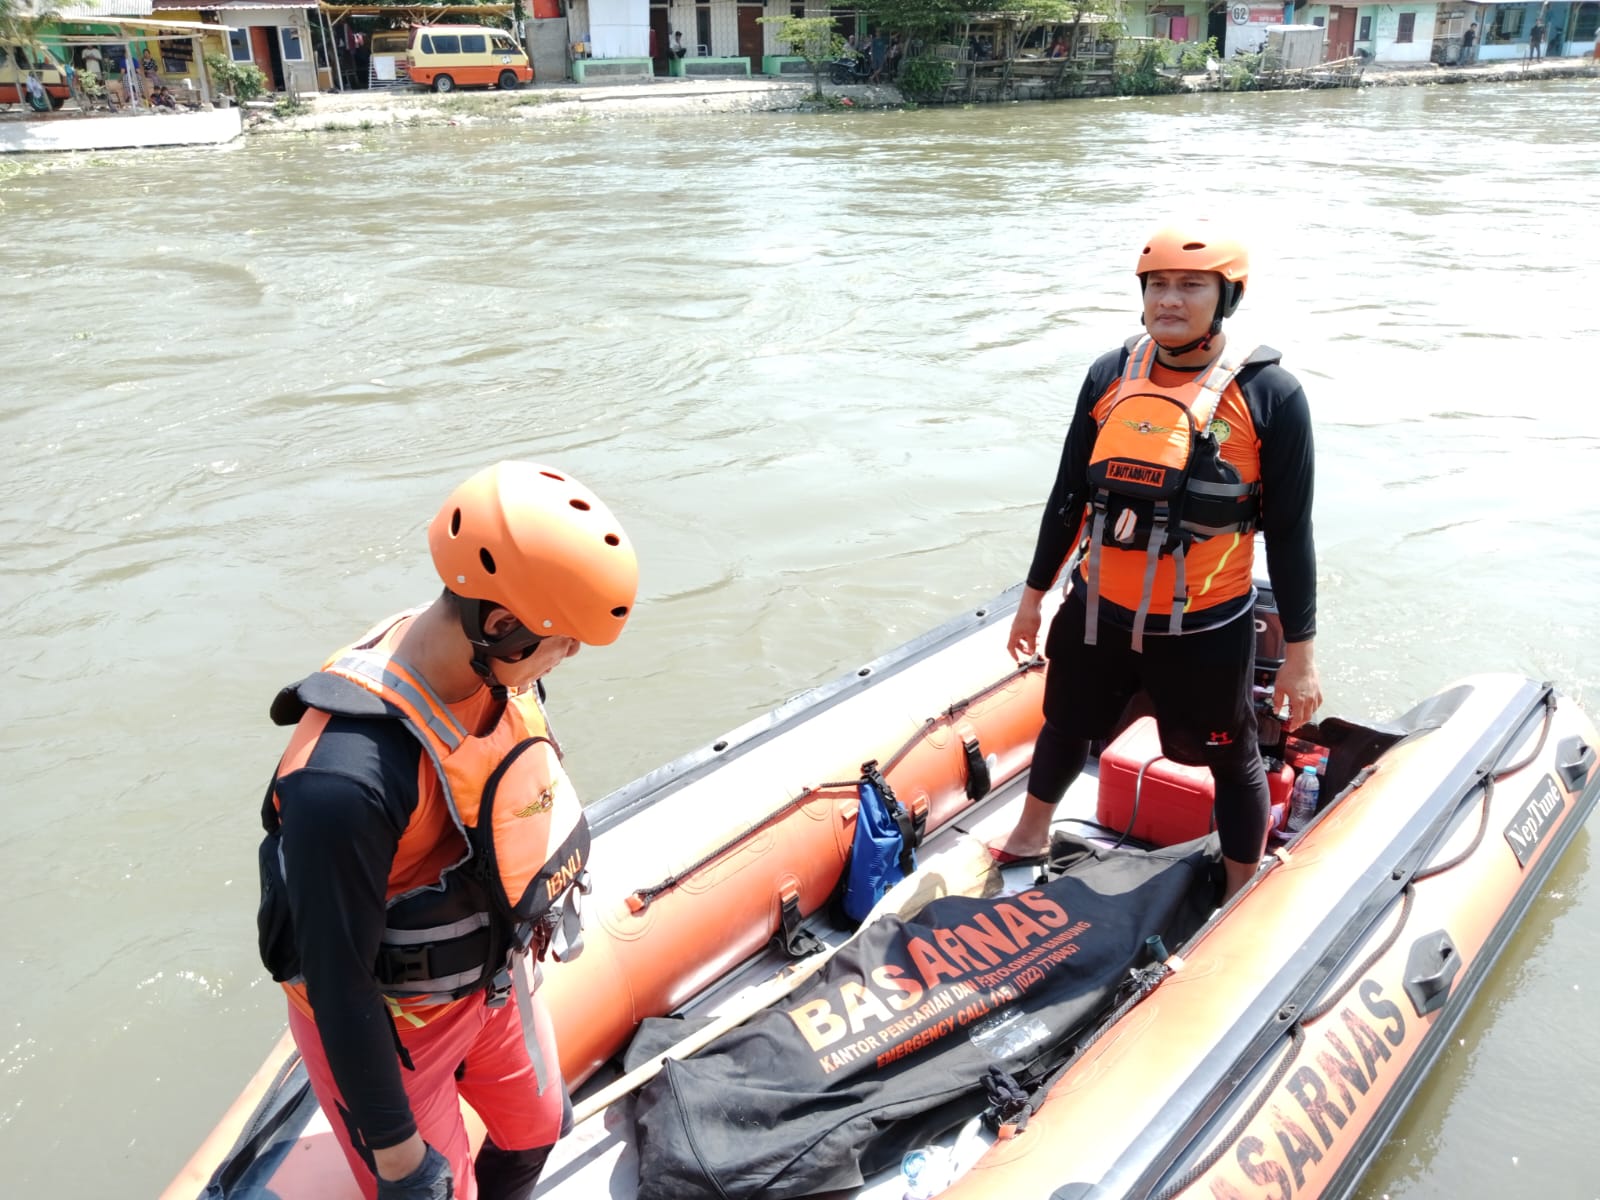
point(1179, 449)
point(425, 848)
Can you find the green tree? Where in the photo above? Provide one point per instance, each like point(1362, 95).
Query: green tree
point(924, 23)
point(21, 21)
point(812, 38)
point(932, 19)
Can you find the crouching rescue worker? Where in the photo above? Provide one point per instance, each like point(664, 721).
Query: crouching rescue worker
point(1180, 448)
point(424, 847)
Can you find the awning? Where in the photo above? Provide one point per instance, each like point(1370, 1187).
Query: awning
point(186, 27)
point(415, 10)
point(223, 6)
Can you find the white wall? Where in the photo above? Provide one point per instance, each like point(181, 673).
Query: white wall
point(619, 28)
point(1386, 24)
point(298, 75)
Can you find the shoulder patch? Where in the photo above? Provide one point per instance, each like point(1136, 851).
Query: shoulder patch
point(332, 694)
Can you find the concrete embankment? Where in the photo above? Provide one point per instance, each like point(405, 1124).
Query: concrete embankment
point(334, 112)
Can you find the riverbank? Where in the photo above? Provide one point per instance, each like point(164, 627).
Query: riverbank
point(334, 112)
point(564, 100)
point(560, 101)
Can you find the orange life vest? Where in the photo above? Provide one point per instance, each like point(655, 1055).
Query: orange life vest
point(494, 853)
point(1174, 493)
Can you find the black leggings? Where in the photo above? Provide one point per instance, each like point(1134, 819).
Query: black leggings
point(1243, 804)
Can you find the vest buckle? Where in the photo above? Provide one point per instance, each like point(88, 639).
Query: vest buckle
point(408, 964)
point(500, 985)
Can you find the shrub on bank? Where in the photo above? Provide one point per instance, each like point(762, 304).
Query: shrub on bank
point(923, 78)
point(242, 81)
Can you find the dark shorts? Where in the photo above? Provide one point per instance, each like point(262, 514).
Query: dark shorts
point(1198, 683)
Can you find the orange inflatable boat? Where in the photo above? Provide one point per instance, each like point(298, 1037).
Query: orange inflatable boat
point(1263, 1049)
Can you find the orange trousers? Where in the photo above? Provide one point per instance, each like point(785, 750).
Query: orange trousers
point(496, 1078)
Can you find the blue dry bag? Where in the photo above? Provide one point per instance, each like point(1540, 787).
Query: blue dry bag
point(884, 851)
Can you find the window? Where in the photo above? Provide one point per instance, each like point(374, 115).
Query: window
point(1508, 21)
point(239, 45)
point(1364, 33)
point(1408, 26)
point(504, 45)
point(289, 38)
point(445, 43)
point(474, 43)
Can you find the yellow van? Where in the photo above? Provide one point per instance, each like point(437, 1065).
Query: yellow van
point(445, 57)
point(17, 62)
point(389, 49)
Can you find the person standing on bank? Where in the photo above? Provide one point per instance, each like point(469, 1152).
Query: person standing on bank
point(1179, 449)
point(398, 903)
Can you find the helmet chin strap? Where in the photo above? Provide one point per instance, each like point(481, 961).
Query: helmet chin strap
point(508, 647)
point(1200, 343)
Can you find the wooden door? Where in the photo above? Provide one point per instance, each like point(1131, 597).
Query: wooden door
point(660, 39)
point(750, 35)
point(262, 49)
point(1341, 34)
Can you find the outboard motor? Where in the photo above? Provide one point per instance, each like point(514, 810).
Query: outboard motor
point(1269, 660)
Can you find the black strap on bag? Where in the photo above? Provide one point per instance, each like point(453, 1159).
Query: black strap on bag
point(791, 939)
point(911, 828)
point(978, 780)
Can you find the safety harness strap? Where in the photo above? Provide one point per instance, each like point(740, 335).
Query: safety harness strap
point(1091, 602)
point(1180, 593)
point(1152, 556)
point(530, 1032)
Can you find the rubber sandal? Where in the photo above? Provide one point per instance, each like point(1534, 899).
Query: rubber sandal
point(1004, 858)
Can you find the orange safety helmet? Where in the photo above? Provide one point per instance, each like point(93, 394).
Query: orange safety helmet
point(1198, 248)
point(539, 544)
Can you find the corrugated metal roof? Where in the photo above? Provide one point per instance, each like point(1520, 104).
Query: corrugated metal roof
point(91, 39)
point(228, 5)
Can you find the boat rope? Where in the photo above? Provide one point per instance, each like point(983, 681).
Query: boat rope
point(640, 899)
point(273, 1112)
point(1492, 777)
point(1141, 982)
point(1297, 1039)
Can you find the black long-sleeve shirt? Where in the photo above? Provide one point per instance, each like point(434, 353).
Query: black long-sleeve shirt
point(342, 816)
point(1283, 426)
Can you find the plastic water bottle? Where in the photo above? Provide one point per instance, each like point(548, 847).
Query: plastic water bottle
point(925, 1173)
point(1303, 800)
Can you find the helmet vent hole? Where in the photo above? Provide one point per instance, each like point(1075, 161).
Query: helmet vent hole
point(487, 560)
point(613, 540)
point(552, 475)
point(580, 505)
point(620, 611)
point(1194, 245)
point(455, 523)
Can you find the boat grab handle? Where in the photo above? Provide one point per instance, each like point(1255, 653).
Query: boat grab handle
point(1574, 761)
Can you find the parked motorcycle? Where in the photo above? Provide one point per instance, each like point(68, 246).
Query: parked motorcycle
point(850, 70)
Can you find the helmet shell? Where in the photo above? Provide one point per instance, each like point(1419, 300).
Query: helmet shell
point(1197, 248)
point(536, 542)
